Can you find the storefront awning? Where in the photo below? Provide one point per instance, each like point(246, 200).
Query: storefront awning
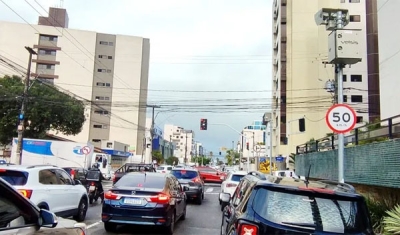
point(117, 153)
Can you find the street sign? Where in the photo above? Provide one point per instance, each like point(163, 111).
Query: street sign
point(279, 159)
point(341, 118)
point(257, 148)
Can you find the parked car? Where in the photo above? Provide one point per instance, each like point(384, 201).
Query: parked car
point(48, 187)
point(191, 178)
point(230, 183)
point(145, 198)
point(77, 173)
point(164, 169)
point(264, 204)
point(18, 215)
point(131, 167)
point(211, 175)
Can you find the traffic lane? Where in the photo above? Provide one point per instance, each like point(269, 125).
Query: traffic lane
point(202, 219)
point(94, 210)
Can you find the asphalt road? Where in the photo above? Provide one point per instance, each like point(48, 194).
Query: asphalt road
point(202, 219)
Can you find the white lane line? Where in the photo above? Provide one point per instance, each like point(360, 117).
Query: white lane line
point(211, 193)
point(209, 190)
point(93, 225)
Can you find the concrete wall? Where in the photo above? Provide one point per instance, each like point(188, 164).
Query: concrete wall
point(374, 164)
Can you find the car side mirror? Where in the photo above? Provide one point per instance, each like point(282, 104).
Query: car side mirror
point(78, 182)
point(225, 197)
point(48, 218)
point(185, 188)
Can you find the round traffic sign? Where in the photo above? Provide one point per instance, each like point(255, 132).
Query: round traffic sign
point(341, 118)
point(86, 150)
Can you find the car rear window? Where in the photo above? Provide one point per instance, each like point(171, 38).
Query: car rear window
point(16, 178)
point(237, 178)
point(160, 168)
point(336, 214)
point(185, 174)
point(141, 180)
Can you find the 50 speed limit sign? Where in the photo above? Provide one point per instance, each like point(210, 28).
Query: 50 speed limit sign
point(341, 118)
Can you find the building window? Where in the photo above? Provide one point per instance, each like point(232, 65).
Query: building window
point(342, 1)
point(106, 43)
point(105, 57)
point(356, 98)
point(283, 99)
point(96, 140)
point(101, 112)
point(356, 78)
point(47, 52)
point(109, 144)
point(108, 70)
point(98, 126)
point(344, 78)
point(283, 140)
point(102, 98)
point(345, 98)
point(354, 1)
point(355, 18)
point(46, 66)
point(110, 43)
point(360, 119)
point(106, 84)
point(283, 119)
point(48, 38)
point(109, 57)
point(101, 70)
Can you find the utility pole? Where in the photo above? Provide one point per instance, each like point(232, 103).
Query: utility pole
point(21, 126)
point(152, 129)
point(186, 149)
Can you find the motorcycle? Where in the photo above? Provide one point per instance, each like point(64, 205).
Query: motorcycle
point(93, 192)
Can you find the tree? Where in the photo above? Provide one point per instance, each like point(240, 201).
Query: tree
point(47, 109)
point(171, 160)
point(232, 157)
point(157, 155)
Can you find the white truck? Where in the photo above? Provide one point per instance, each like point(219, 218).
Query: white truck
point(61, 154)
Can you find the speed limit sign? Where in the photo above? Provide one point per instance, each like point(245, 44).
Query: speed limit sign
point(341, 118)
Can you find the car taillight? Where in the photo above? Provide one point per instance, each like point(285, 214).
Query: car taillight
point(25, 193)
point(230, 185)
point(160, 198)
point(92, 184)
point(111, 196)
point(3, 170)
point(72, 174)
point(247, 229)
point(163, 172)
point(196, 180)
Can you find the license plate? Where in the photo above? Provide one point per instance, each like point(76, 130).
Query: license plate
point(92, 188)
point(133, 201)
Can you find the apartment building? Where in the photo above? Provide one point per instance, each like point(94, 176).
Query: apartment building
point(252, 140)
point(301, 75)
point(109, 71)
point(183, 140)
point(389, 57)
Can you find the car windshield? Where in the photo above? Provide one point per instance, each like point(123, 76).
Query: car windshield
point(16, 178)
point(336, 214)
point(237, 178)
point(141, 180)
point(184, 174)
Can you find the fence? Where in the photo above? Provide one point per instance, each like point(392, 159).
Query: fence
point(374, 132)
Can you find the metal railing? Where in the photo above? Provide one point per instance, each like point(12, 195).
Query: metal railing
point(373, 132)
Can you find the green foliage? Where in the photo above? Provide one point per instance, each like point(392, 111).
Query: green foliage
point(47, 109)
point(377, 210)
point(292, 158)
point(157, 155)
point(232, 157)
point(171, 160)
point(201, 159)
point(391, 222)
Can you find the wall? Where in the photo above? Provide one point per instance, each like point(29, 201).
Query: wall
point(375, 164)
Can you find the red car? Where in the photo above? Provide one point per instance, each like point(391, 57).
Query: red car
point(209, 174)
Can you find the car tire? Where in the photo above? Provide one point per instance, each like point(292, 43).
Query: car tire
point(110, 227)
point(183, 217)
point(199, 199)
point(171, 226)
point(82, 209)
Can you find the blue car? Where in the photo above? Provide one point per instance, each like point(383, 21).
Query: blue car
point(144, 198)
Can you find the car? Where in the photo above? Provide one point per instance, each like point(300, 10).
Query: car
point(144, 198)
point(230, 183)
point(49, 187)
point(18, 215)
point(131, 167)
point(265, 204)
point(164, 169)
point(211, 175)
point(191, 178)
point(77, 173)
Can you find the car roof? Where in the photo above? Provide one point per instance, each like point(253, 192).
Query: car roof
point(185, 169)
point(148, 174)
point(238, 172)
point(27, 167)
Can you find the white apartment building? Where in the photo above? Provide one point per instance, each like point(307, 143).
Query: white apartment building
point(389, 57)
point(300, 74)
point(109, 71)
point(252, 141)
point(183, 140)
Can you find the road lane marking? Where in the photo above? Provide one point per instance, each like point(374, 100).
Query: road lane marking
point(209, 190)
point(93, 225)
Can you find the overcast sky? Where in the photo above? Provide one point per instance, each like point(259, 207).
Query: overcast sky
point(196, 45)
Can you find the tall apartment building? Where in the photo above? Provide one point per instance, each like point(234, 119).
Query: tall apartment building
point(183, 140)
point(300, 72)
point(109, 71)
point(389, 57)
point(253, 135)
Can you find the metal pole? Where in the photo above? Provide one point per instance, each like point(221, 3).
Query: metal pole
point(186, 149)
point(270, 147)
point(248, 156)
point(152, 132)
point(339, 78)
point(21, 126)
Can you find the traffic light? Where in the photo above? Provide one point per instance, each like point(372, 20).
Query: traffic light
point(302, 125)
point(247, 146)
point(203, 124)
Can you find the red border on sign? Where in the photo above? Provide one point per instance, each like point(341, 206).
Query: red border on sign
point(86, 149)
point(331, 127)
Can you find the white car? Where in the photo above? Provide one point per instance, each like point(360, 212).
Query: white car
point(164, 169)
point(48, 187)
point(231, 182)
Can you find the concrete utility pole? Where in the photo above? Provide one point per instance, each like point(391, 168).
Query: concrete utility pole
point(21, 126)
point(186, 149)
point(152, 129)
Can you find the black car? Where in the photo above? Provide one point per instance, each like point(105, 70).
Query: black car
point(18, 215)
point(264, 204)
point(144, 198)
point(191, 178)
point(77, 173)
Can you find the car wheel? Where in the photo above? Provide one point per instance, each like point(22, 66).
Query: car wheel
point(82, 209)
point(171, 226)
point(183, 217)
point(110, 227)
point(199, 199)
